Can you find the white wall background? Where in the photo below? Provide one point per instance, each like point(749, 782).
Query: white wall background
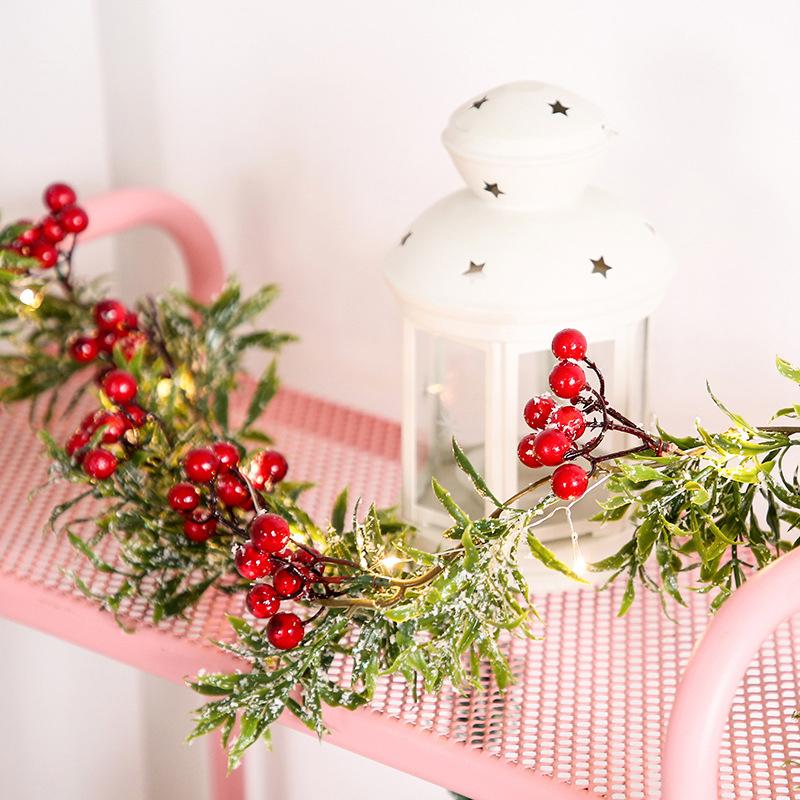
point(308, 135)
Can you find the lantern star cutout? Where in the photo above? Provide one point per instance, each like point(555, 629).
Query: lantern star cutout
point(558, 108)
point(474, 269)
point(599, 266)
point(492, 187)
point(405, 238)
point(479, 103)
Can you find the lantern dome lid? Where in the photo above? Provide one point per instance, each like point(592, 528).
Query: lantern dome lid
point(525, 120)
point(470, 270)
point(529, 246)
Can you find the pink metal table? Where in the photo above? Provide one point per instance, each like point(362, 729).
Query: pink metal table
point(588, 713)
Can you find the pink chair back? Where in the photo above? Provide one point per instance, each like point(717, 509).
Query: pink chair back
point(709, 683)
point(123, 209)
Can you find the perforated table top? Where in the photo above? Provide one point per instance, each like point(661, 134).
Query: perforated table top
point(586, 715)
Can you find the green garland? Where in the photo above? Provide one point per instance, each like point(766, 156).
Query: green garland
point(369, 594)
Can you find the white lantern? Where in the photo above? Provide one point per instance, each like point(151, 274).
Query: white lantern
point(488, 274)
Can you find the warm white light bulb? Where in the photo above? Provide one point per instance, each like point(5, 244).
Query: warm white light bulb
point(390, 562)
point(30, 298)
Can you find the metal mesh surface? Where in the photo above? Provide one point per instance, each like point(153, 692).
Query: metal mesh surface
point(592, 698)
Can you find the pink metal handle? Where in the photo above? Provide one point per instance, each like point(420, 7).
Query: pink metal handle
point(123, 209)
point(707, 688)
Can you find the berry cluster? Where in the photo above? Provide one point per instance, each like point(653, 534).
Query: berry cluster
point(44, 240)
point(115, 324)
point(216, 468)
point(108, 427)
point(214, 486)
point(559, 427)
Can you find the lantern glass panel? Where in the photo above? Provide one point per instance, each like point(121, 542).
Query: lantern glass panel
point(450, 384)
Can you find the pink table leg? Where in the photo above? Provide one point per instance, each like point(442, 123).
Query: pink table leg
point(221, 785)
point(122, 210)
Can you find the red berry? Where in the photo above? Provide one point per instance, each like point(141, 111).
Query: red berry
point(58, 196)
point(113, 425)
point(526, 451)
point(52, 230)
point(569, 420)
point(84, 349)
point(567, 379)
point(227, 454)
point(269, 533)
point(74, 219)
point(263, 601)
point(305, 557)
point(183, 497)
point(120, 386)
point(30, 235)
point(201, 465)
point(232, 491)
point(132, 321)
point(110, 315)
point(45, 253)
point(569, 481)
point(268, 466)
point(135, 415)
point(200, 526)
point(251, 563)
point(99, 463)
point(285, 631)
point(569, 343)
point(75, 442)
point(89, 423)
point(106, 341)
point(550, 446)
point(538, 410)
point(288, 582)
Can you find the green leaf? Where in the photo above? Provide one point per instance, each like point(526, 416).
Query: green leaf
point(339, 512)
point(627, 597)
point(450, 505)
point(264, 392)
point(641, 473)
point(739, 421)
point(466, 467)
point(787, 370)
point(549, 559)
point(646, 535)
